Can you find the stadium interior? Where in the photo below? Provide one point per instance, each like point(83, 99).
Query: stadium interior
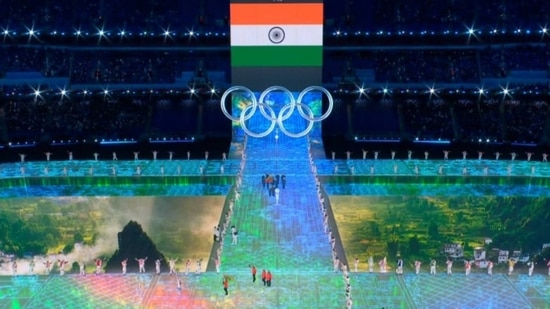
point(434, 148)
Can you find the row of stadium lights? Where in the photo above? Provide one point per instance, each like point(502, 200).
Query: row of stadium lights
point(168, 34)
point(469, 31)
point(32, 33)
point(64, 93)
point(432, 91)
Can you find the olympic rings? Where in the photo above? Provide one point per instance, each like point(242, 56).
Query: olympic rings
point(269, 113)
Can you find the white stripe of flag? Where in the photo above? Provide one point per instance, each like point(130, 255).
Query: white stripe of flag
point(295, 35)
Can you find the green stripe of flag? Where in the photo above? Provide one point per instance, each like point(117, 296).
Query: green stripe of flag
point(268, 56)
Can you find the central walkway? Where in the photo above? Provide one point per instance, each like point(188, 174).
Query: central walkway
point(285, 236)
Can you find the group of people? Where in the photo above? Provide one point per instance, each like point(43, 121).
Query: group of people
point(466, 170)
point(155, 154)
point(98, 264)
point(274, 183)
point(449, 264)
point(138, 171)
point(512, 156)
point(220, 232)
point(338, 265)
point(48, 265)
point(267, 276)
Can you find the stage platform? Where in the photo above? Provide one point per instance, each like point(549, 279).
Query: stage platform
point(286, 235)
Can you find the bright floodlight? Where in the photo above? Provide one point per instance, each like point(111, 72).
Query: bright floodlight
point(106, 91)
point(32, 33)
point(77, 32)
point(37, 93)
point(481, 91)
point(471, 32)
point(166, 33)
point(432, 90)
point(385, 90)
point(63, 92)
point(505, 90)
point(101, 34)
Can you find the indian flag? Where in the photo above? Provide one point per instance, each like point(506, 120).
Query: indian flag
point(276, 42)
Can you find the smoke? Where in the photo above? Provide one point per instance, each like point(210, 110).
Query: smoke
point(115, 214)
point(187, 220)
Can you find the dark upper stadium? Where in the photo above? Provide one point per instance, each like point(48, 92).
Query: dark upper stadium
point(421, 74)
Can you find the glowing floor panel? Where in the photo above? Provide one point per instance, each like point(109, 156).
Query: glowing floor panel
point(288, 290)
point(285, 236)
point(103, 291)
point(460, 291)
point(16, 292)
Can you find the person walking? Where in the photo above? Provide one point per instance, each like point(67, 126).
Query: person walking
point(399, 268)
point(449, 267)
point(157, 266)
point(225, 285)
point(490, 268)
point(417, 265)
point(268, 278)
point(264, 277)
point(234, 235)
point(511, 264)
point(433, 266)
point(98, 266)
point(253, 272)
point(124, 265)
point(531, 265)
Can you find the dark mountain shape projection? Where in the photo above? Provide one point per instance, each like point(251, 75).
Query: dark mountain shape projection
point(133, 243)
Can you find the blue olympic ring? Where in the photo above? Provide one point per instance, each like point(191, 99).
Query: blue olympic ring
point(286, 111)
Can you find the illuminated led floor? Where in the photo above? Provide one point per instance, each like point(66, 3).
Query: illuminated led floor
point(481, 168)
point(398, 177)
point(286, 237)
point(97, 178)
point(299, 289)
point(103, 291)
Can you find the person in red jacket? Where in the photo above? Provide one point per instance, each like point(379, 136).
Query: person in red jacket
point(226, 285)
point(268, 278)
point(253, 271)
point(264, 277)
